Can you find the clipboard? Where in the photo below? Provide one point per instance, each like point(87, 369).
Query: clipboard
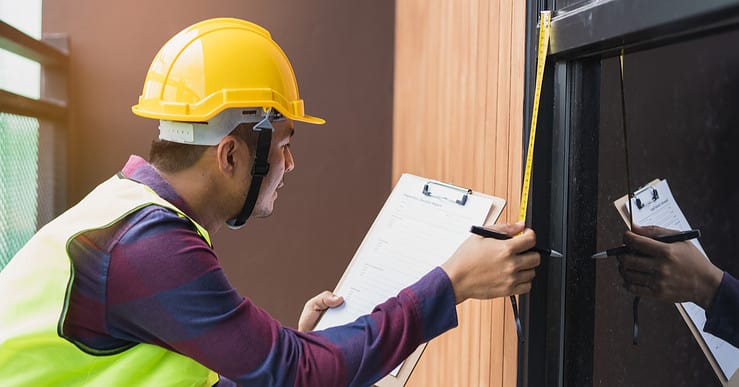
point(420, 226)
point(654, 201)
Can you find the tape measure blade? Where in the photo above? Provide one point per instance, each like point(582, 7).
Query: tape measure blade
point(543, 46)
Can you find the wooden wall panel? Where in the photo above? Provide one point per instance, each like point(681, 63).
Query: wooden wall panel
point(457, 117)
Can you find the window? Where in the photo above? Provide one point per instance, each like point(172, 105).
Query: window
point(28, 146)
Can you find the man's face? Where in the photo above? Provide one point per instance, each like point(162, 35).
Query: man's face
point(280, 162)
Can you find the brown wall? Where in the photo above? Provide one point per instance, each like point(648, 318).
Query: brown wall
point(342, 53)
point(458, 117)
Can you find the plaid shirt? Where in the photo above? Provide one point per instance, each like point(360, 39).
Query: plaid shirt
point(152, 279)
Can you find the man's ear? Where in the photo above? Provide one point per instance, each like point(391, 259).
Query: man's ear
point(226, 154)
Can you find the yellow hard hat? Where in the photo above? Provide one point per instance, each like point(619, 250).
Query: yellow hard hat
point(218, 64)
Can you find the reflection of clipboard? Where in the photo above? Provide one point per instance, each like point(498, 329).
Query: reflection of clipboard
point(420, 226)
point(653, 204)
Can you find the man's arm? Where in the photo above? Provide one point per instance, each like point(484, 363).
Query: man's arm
point(165, 287)
point(723, 316)
point(168, 290)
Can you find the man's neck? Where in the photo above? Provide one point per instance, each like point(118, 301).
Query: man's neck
point(193, 185)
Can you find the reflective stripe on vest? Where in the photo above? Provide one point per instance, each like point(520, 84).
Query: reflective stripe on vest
point(34, 288)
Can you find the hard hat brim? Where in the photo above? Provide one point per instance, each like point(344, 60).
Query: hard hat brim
point(309, 119)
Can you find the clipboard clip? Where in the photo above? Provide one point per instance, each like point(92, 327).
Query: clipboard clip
point(641, 200)
point(461, 201)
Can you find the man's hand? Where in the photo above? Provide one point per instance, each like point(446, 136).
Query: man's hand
point(315, 307)
point(672, 272)
point(486, 268)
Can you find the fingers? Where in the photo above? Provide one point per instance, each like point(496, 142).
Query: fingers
point(637, 263)
point(314, 308)
point(507, 228)
point(323, 301)
point(529, 260)
point(639, 278)
point(653, 231)
point(333, 300)
point(524, 277)
point(523, 242)
point(644, 244)
point(640, 283)
point(522, 289)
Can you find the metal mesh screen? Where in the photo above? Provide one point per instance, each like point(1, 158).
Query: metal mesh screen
point(19, 137)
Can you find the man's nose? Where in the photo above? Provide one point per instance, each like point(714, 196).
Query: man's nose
point(289, 160)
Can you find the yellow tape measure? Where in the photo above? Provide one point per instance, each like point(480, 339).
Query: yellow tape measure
point(544, 24)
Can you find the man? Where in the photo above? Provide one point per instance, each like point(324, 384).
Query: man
point(125, 288)
point(678, 272)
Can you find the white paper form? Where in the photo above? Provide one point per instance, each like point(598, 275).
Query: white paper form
point(412, 234)
point(655, 205)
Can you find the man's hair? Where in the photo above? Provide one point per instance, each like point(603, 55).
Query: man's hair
point(172, 157)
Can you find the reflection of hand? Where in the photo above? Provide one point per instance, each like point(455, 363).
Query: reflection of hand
point(315, 307)
point(672, 272)
point(486, 268)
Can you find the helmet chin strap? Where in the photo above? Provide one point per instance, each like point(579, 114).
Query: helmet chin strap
point(258, 171)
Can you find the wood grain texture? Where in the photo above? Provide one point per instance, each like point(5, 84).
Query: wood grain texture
point(458, 100)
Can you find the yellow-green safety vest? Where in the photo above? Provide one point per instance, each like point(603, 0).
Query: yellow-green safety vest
point(34, 291)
